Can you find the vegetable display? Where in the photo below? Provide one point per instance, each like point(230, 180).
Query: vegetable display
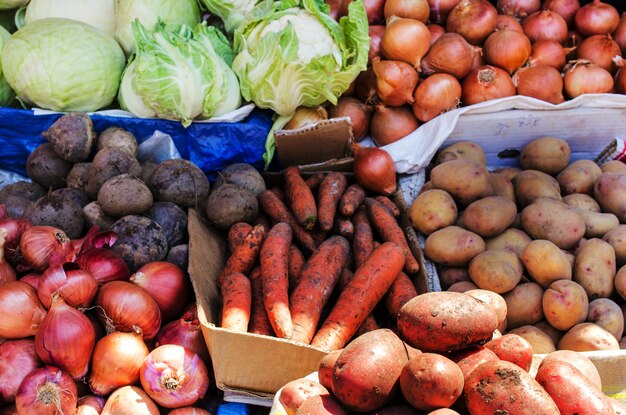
point(97, 13)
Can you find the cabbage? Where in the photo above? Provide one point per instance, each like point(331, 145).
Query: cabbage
point(12, 4)
point(176, 74)
point(174, 12)
point(63, 65)
point(232, 12)
point(98, 13)
point(6, 93)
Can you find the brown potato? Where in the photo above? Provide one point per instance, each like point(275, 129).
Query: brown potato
point(490, 216)
point(432, 210)
point(614, 166)
point(546, 263)
point(565, 304)
point(451, 275)
point(493, 300)
point(608, 315)
point(124, 195)
point(294, 393)
point(462, 287)
point(585, 337)
point(108, 163)
point(523, 305)
point(553, 333)
point(453, 246)
point(610, 192)
point(508, 172)
point(116, 137)
point(553, 220)
point(580, 361)
point(464, 180)
point(496, 270)
point(502, 186)
point(465, 150)
point(540, 341)
point(325, 370)
point(514, 240)
point(595, 268)
point(72, 136)
point(597, 224)
point(620, 282)
point(616, 237)
point(426, 187)
point(530, 185)
point(579, 177)
point(581, 201)
point(46, 168)
point(547, 154)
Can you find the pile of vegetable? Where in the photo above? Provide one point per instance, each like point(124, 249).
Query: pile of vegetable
point(543, 242)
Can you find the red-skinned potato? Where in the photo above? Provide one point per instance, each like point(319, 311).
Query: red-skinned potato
point(297, 391)
point(493, 300)
point(580, 362)
point(452, 275)
point(325, 371)
point(321, 405)
point(469, 359)
point(514, 349)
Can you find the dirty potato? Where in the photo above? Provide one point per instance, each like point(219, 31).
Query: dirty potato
point(464, 180)
point(496, 270)
point(554, 221)
point(432, 210)
point(453, 246)
point(595, 268)
point(546, 263)
point(490, 216)
point(547, 154)
point(530, 185)
point(514, 240)
point(579, 177)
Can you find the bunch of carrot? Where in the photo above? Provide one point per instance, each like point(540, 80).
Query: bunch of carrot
point(310, 237)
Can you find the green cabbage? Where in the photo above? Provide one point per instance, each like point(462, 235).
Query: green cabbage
point(63, 65)
point(232, 12)
point(6, 93)
point(98, 13)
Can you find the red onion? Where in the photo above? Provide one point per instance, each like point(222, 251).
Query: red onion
point(376, 37)
point(359, 114)
point(509, 22)
point(412, 9)
point(77, 287)
point(39, 243)
point(541, 82)
point(47, 391)
point(584, 77)
point(90, 405)
point(374, 169)
point(440, 9)
point(405, 40)
point(601, 50)
point(188, 410)
point(373, 8)
point(450, 54)
point(545, 25)
point(20, 309)
point(104, 265)
point(596, 18)
point(18, 358)
point(390, 124)
point(566, 8)
point(473, 19)
point(130, 400)
point(435, 95)
point(9, 410)
point(507, 49)
point(7, 273)
point(32, 279)
point(486, 83)
point(547, 52)
point(436, 31)
point(395, 81)
point(619, 35)
point(174, 376)
point(518, 8)
point(15, 229)
point(186, 332)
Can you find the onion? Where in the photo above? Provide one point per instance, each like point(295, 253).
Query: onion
point(335, 8)
point(174, 376)
point(7, 273)
point(186, 332)
point(601, 50)
point(505, 21)
point(116, 361)
point(306, 117)
point(507, 49)
point(405, 40)
point(90, 405)
point(365, 88)
point(411, 9)
point(620, 82)
point(619, 35)
point(166, 284)
point(32, 279)
point(390, 124)
point(188, 410)
point(39, 243)
point(485, 83)
point(373, 8)
point(435, 95)
point(47, 391)
point(547, 52)
point(103, 264)
point(440, 9)
point(359, 114)
point(123, 306)
point(566, 8)
point(518, 8)
point(9, 410)
point(65, 339)
point(596, 18)
point(20, 309)
point(473, 19)
point(376, 36)
point(77, 287)
point(18, 358)
point(436, 31)
point(15, 229)
point(450, 54)
point(97, 326)
point(478, 60)
point(545, 25)
point(374, 169)
point(396, 81)
point(584, 77)
point(130, 400)
point(542, 82)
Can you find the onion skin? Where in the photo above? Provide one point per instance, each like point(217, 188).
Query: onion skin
point(405, 40)
point(185, 332)
point(486, 83)
point(440, 9)
point(77, 287)
point(620, 82)
point(90, 405)
point(450, 54)
point(47, 391)
point(596, 18)
point(39, 243)
point(619, 34)
point(9, 410)
point(19, 300)
point(376, 37)
point(545, 25)
point(365, 88)
point(542, 82)
point(188, 410)
point(435, 95)
point(395, 81)
point(411, 9)
point(507, 49)
point(305, 117)
point(130, 400)
point(15, 228)
point(436, 31)
point(374, 169)
point(518, 8)
point(174, 376)
point(7, 273)
point(566, 8)
point(18, 358)
point(359, 113)
point(600, 49)
point(584, 77)
point(390, 124)
point(104, 265)
point(473, 19)
point(509, 22)
point(32, 279)
point(547, 52)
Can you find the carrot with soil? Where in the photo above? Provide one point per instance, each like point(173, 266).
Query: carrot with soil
point(317, 280)
point(237, 233)
point(331, 189)
point(300, 198)
point(244, 255)
point(275, 276)
point(351, 200)
point(344, 227)
point(314, 181)
point(363, 242)
point(387, 203)
point(296, 263)
point(401, 291)
point(259, 322)
point(370, 322)
point(236, 302)
point(368, 286)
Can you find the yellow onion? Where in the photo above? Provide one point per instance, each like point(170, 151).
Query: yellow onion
point(601, 50)
point(395, 81)
point(542, 82)
point(507, 49)
point(509, 22)
point(21, 310)
point(473, 19)
point(583, 77)
point(518, 8)
point(305, 117)
point(566, 8)
point(130, 400)
point(486, 83)
point(435, 95)
point(450, 54)
point(412, 9)
point(596, 18)
point(545, 25)
point(405, 40)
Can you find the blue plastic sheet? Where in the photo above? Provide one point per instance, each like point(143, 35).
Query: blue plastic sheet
point(211, 146)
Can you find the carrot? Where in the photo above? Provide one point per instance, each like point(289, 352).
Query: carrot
point(237, 233)
point(401, 291)
point(314, 181)
point(362, 244)
point(318, 235)
point(370, 322)
point(300, 198)
point(280, 193)
point(390, 231)
point(262, 219)
point(245, 254)
point(275, 275)
point(368, 286)
point(387, 203)
point(296, 262)
point(330, 191)
point(351, 200)
point(344, 227)
point(236, 300)
point(259, 322)
point(279, 212)
point(317, 280)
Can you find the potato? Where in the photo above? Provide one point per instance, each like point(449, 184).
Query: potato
point(116, 137)
point(379, 351)
point(540, 341)
point(547, 154)
point(453, 246)
point(139, 241)
point(616, 237)
point(620, 282)
point(430, 381)
point(500, 387)
point(586, 337)
point(465, 150)
point(580, 361)
point(108, 163)
point(614, 166)
point(610, 192)
point(470, 358)
point(597, 224)
point(514, 240)
point(553, 333)
point(46, 168)
point(426, 187)
point(321, 405)
point(581, 201)
point(523, 305)
point(463, 286)
point(622, 343)
point(72, 136)
point(508, 172)
point(95, 216)
point(451, 275)
point(493, 300)
point(172, 219)
point(464, 180)
point(229, 204)
point(608, 315)
point(443, 411)
point(243, 175)
point(325, 370)
point(490, 216)
point(546, 263)
point(496, 270)
point(531, 185)
point(294, 393)
point(579, 177)
point(180, 181)
point(502, 186)
point(59, 212)
point(595, 268)
point(432, 210)
point(452, 320)
point(124, 195)
point(179, 256)
point(553, 220)
point(78, 176)
point(512, 348)
point(565, 304)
